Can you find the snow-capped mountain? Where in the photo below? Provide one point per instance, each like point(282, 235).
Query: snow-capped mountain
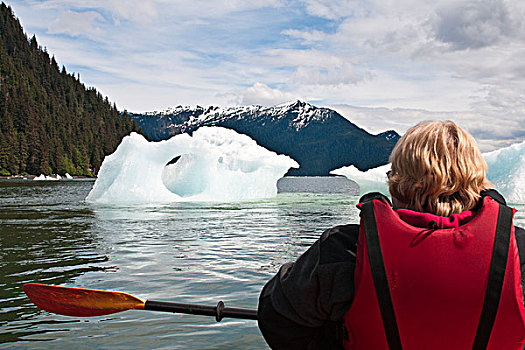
point(319, 139)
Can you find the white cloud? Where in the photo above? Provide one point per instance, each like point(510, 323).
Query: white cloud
point(260, 94)
point(307, 36)
point(472, 24)
point(147, 11)
point(489, 132)
point(138, 11)
point(314, 67)
point(337, 75)
point(399, 61)
point(77, 23)
point(335, 9)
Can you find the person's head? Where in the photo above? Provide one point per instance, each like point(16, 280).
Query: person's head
point(437, 168)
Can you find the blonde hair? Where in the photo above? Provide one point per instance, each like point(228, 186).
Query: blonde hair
point(437, 168)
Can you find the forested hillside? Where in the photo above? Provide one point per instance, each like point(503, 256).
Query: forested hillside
point(49, 121)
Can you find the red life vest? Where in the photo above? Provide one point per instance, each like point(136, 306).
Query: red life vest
point(434, 292)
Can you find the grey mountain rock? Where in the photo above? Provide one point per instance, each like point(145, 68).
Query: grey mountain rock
point(319, 139)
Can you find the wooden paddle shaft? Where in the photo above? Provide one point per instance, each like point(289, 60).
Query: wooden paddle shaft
point(218, 311)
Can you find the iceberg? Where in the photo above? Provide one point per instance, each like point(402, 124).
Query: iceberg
point(215, 164)
point(43, 177)
point(506, 170)
point(371, 180)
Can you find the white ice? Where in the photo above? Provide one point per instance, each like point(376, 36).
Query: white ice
point(372, 180)
point(43, 177)
point(215, 164)
point(506, 170)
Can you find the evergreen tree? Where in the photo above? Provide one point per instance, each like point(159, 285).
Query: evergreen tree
point(49, 121)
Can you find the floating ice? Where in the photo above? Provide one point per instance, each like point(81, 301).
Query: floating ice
point(215, 164)
point(43, 177)
point(372, 180)
point(506, 170)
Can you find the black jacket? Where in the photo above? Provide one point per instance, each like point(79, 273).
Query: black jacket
point(302, 306)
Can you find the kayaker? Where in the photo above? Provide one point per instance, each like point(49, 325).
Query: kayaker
point(438, 270)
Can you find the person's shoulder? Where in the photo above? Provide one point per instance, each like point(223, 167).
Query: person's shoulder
point(338, 243)
point(348, 231)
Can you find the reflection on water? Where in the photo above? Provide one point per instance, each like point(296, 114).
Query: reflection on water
point(184, 252)
point(44, 237)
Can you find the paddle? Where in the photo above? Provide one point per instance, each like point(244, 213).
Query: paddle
point(82, 302)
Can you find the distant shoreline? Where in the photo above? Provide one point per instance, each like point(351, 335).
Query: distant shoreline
point(32, 177)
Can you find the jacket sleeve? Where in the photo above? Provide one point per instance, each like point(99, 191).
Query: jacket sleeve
point(302, 306)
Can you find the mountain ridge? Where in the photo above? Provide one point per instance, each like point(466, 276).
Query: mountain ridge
point(319, 138)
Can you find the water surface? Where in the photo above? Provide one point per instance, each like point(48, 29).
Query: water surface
point(182, 252)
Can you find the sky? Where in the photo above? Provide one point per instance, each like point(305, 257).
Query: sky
point(382, 64)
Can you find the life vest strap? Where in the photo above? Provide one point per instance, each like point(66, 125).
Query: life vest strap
point(496, 278)
point(379, 275)
point(497, 270)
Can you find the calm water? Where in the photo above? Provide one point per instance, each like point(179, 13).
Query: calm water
point(195, 253)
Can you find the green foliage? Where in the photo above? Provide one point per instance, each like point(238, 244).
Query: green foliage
point(66, 166)
point(49, 121)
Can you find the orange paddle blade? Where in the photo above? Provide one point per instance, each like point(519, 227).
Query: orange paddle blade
point(81, 302)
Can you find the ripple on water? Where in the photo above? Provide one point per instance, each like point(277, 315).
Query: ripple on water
point(183, 252)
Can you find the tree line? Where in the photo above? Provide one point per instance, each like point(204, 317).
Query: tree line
point(49, 121)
